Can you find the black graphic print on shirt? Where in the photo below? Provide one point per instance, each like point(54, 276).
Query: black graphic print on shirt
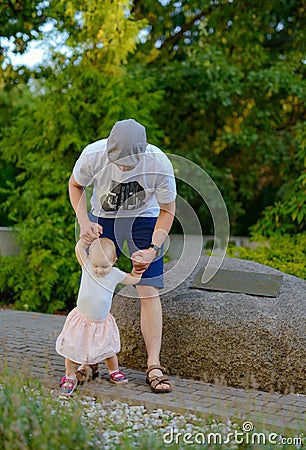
point(126, 196)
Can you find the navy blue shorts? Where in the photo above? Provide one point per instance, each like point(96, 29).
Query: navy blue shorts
point(137, 231)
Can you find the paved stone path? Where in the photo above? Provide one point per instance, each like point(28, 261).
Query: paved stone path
point(27, 344)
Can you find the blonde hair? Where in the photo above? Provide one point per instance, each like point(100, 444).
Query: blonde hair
point(103, 247)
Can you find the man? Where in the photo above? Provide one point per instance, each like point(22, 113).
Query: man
point(133, 198)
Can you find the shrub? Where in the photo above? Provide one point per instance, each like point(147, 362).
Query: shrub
point(282, 252)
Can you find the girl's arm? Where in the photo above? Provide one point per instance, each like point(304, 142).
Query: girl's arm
point(132, 278)
point(80, 251)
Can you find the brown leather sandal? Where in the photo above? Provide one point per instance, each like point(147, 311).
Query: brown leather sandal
point(155, 380)
point(82, 374)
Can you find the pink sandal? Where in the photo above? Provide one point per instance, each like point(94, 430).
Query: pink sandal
point(118, 377)
point(68, 386)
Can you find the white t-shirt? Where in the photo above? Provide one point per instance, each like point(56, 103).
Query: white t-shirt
point(126, 194)
point(96, 293)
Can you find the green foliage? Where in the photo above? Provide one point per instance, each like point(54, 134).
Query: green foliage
point(43, 142)
point(234, 99)
point(216, 82)
point(107, 30)
point(288, 214)
point(9, 109)
point(44, 276)
point(19, 21)
point(20, 25)
point(8, 172)
point(30, 420)
point(236, 126)
point(283, 252)
point(234, 95)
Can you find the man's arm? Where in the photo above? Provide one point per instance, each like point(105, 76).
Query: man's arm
point(164, 223)
point(143, 258)
point(88, 230)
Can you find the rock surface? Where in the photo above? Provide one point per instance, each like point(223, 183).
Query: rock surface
point(222, 337)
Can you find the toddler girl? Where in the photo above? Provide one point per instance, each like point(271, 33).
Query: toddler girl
point(90, 333)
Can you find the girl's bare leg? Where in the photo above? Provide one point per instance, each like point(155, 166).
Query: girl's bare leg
point(115, 375)
point(71, 368)
point(112, 363)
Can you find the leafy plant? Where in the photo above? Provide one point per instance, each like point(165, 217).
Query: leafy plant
point(288, 214)
point(31, 420)
point(283, 252)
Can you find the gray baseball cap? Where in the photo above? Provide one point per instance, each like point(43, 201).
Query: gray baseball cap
point(126, 142)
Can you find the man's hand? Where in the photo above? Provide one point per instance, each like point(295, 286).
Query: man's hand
point(90, 231)
point(142, 259)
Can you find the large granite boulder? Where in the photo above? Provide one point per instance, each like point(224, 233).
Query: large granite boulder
point(237, 339)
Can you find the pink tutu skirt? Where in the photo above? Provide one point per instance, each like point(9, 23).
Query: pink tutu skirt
point(87, 341)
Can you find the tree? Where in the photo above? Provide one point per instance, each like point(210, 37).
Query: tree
point(234, 93)
point(219, 82)
point(77, 104)
point(20, 24)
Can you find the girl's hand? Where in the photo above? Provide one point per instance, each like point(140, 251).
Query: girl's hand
point(142, 259)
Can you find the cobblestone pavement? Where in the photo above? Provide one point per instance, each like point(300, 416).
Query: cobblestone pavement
point(27, 345)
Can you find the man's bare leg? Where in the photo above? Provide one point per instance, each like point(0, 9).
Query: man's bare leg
point(151, 326)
